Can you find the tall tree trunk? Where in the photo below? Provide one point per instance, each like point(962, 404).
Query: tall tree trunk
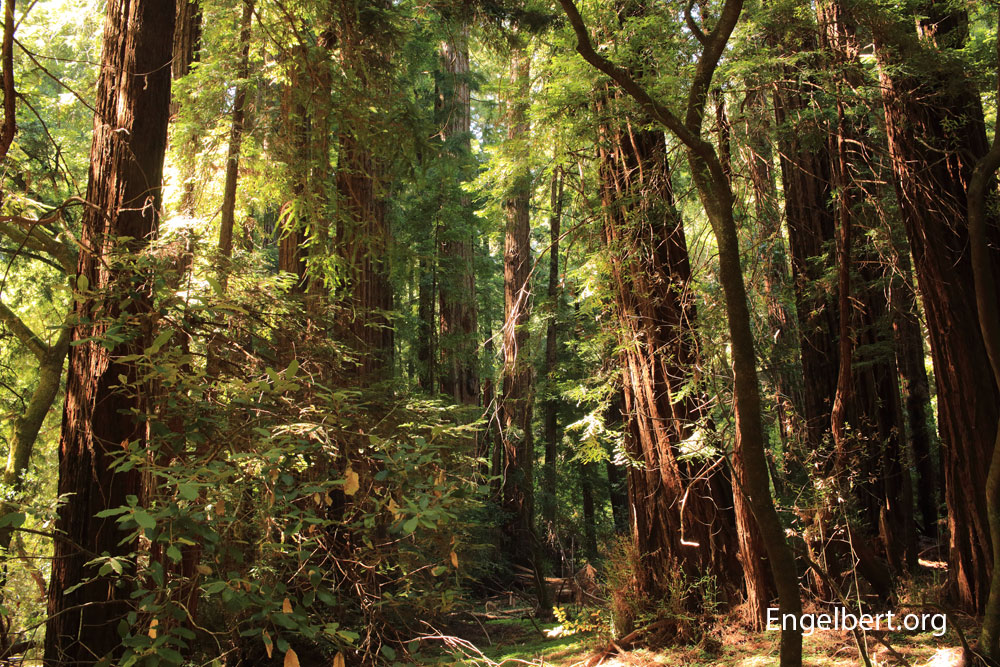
point(982, 184)
point(749, 459)
point(9, 92)
point(589, 522)
point(518, 443)
point(677, 521)
point(459, 326)
point(130, 135)
point(235, 140)
point(916, 388)
point(936, 134)
point(362, 228)
point(783, 359)
point(186, 45)
point(806, 178)
point(551, 405)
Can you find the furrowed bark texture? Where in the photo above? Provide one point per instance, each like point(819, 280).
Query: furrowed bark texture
point(680, 509)
point(459, 323)
point(130, 135)
point(362, 229)
point(521, 542)
point(936, 134)
point(749, 461)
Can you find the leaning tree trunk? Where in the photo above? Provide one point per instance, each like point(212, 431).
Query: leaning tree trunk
point(130, 136)
point(936, 134)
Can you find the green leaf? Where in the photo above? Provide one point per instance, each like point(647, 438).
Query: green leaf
point(410, 525)
point(173, 553)
point(144, 520)
point(160, 341)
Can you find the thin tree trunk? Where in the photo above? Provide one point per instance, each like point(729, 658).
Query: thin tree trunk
point(27, 425)
point(9, 92)
point(589, 523)
point(981, 185)
point(551, 405)
point(186, 45)
point(235, 141)
point(130, 136)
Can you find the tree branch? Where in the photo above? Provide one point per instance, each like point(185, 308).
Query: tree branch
point(23, 332)
point(715, 44)
point(628, 83)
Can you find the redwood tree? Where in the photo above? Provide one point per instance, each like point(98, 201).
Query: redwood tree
point(936, 135)
point(100, 420)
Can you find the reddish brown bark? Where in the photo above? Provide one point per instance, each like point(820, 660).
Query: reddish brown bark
point(459, 323)
point(9, 92)
point(130, 134)
point(936, 134)
point(681, 510)
point(362, 234)
point(516, 404)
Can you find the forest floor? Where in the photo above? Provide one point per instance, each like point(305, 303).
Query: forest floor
point(513, 642)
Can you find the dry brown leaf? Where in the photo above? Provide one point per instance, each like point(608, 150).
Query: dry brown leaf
point(454, 559)
point(351, 483)
point(286, 607)
point(203, 569)
point(338, 660)
point(152, 628)
point(268, 644)
point(291, 660)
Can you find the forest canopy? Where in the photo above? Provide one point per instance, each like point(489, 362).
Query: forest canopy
point(496, 332)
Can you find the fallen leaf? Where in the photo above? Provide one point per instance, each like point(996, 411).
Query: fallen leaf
point(351, 483)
